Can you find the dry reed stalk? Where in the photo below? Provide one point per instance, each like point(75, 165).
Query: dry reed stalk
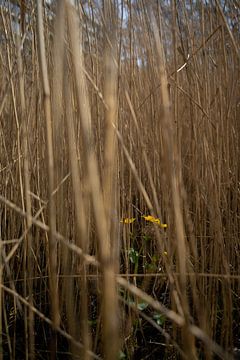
point(172, 166)
point(57, 107)
point(28, 274)
point(110, 250)
point(81, 218)
point(50, 164)
point(110, 321)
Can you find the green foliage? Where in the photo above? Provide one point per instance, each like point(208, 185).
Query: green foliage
point(142, 306)
point(133, 256)
point(159, 318)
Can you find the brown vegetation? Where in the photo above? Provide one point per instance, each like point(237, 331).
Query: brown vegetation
point(110, 112)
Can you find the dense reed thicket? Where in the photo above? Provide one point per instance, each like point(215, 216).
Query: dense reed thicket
point(120, 179)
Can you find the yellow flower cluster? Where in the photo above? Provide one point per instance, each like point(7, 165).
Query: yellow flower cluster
point(149, 218)
point(154, 220)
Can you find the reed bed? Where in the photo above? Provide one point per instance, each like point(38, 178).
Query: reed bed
point(120, 179)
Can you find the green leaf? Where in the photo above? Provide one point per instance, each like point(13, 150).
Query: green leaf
point(142, 306)
point(159, 318)
point(133, 256)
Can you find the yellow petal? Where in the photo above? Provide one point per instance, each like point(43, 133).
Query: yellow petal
point(152, 219)
point(128, 220)
point(149, 218)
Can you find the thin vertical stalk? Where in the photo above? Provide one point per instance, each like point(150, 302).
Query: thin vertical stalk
point(110, 185)
point(50, 167)
point(57, 107)
point(81, 219)
point(28, 273)
point(172, 166)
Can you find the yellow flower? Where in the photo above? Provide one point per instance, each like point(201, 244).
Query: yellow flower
point(154, 220)
point(128, 220)
point(151, 219)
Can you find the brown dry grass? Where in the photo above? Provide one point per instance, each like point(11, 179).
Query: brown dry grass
point(108, 112)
